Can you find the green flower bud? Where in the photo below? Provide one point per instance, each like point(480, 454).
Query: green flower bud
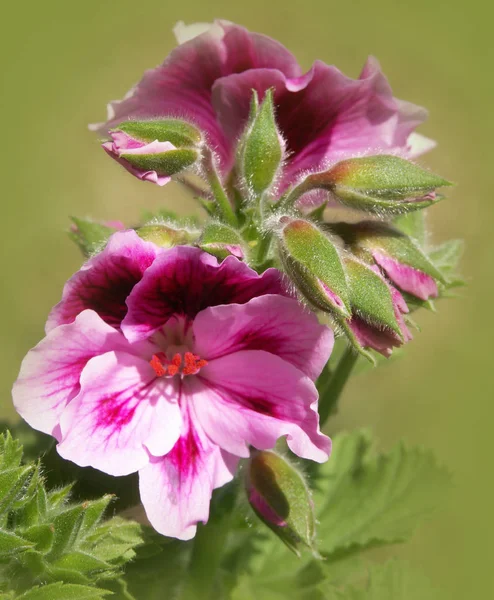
point(261, 148)
point(314, 264)
point(221, 241)
point(382, 184)
point(280, 497)
point(167, 236)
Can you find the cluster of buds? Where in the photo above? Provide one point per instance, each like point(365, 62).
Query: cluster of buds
point(364, 274)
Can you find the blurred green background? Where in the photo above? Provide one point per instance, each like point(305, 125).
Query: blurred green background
point(62, 61)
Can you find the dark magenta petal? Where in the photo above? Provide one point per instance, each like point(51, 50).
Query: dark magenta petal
point(181, 86)
point(184, 280)
point(105, 281)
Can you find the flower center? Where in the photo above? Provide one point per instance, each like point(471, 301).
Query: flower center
point(188, 364)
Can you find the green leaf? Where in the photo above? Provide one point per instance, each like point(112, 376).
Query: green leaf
point(12, 485)
point(446, 258)
point(81, 562)
point(66, 527)
point(90, 236)
point(61, 591)
point(413, 225)
point(10, 453)
point(41, 536)
point(363, 499)
point(11, 543)
point(394, 580)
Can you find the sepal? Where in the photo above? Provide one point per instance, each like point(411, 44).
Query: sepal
point(91, 236)
point(167, 235)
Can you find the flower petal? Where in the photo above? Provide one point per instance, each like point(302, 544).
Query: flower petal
point(272, 323)
point(407, 278)
point(176, 489)
point(50, 372)
point(105, 281)
point(253, 397)
point(181, 86)
point(121, 412)
point(183, 281)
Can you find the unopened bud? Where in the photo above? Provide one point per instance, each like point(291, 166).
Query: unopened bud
point(155, 150)
point(261, 148)
point(221, 241)
point(281, 499)
point(377, 321)
point(314, 264)
point(381, 184)
point(401, 258)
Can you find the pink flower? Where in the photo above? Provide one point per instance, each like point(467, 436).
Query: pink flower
point(169, 363)
point(323, 115)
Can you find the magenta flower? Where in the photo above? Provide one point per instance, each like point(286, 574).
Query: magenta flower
point(169, 363)
point(323, 115)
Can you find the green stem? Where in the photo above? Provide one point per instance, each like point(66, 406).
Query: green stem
point(331, 385)
point(218, 190)
point(209, 546)
point(263, 248)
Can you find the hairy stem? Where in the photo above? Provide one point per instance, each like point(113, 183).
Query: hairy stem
point(218, 190)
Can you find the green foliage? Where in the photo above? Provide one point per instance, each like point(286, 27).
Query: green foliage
point(363, 500)
point(446, 258)
point(45, 540)
point(89, 235)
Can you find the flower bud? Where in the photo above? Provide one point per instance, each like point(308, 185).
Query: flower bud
point(378, 308)
point(261, 148)
point(155, 150)
point(382, 184)
point(401, 258)
point(167, 236)
point(313, 263)
point(91, 236)
point(281, 499)
point(221, 241)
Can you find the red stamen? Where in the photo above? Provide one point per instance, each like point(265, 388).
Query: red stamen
point(172, 369)
point(159, 369)
point(177, 360)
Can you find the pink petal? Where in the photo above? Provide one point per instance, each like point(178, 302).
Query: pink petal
point(181, 86)
point(407, 278)
point(105, 281)
point(253, 397)
point(272, 323)
point(122, 412)
point(184, 281)
point(176, 489)
point(50, 372)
